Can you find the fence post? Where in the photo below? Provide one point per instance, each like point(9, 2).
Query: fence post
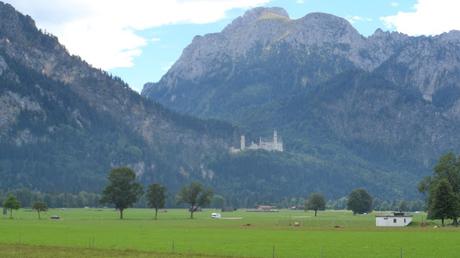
point(273, 252)
point(401, 253)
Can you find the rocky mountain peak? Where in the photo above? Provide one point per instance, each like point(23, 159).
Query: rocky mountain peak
point(452, 36)
point(379, 34)
point(325, 22)
point(260, 12)
point(252, 16)
point(318, 28)
point(12, 23)
point(264, 28)
point(21, 29)
point(325, 19)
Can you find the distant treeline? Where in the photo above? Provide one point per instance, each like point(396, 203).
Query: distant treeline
point(341, 204)
point(54, 200)
point(28, 197)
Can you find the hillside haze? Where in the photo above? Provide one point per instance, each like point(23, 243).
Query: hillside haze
point(380, 108)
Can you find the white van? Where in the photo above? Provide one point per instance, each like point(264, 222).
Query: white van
point(215, 215)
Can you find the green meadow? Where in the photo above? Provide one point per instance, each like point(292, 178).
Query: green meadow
point(99, 233)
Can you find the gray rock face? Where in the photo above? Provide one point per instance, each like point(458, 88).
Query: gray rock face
point(429, 64)
point(425, 59)
point(3, 65)
point(263, 27)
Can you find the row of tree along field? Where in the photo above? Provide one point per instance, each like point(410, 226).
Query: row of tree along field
point(123, 191)
point(441, 190)
point(84, 199)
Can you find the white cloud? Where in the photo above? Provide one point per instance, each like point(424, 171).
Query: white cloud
point(430, 17)
point(300, 1)
point(355, 18)
point(394, 4)
point(103, 32)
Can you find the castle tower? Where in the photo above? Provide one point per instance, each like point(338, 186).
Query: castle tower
point(275, 137)
point(243, 143)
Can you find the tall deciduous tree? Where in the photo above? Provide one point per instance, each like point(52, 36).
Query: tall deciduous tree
point(11, 203)
point(443, 203)
point(40, 207)
point(315, 202)
point(446, 178)
point(195, 195)
point(156, 197)
point(218, 201)
point(359, 201)
point(123, 190)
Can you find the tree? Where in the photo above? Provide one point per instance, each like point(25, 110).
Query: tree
point(156, 196)
point(447, 169)
point(195, 195)
point(444, 203)
point(403, 206)
point(218, 201)
point(315, 202)
point(359, 201)
point(123, 190)
point(39, 207)
point(11, 203)
point(424, 185)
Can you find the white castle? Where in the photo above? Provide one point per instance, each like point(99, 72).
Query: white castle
point(275, 145)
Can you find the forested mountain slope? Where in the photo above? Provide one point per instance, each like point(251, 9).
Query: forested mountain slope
point(64, 124)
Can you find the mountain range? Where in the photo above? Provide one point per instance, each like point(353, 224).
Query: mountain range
point(386, 104)
point(353, 111)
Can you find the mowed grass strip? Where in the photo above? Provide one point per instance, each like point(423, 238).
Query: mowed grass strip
point(331, 234)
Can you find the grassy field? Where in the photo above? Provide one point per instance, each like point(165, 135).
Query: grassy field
point(98, 233)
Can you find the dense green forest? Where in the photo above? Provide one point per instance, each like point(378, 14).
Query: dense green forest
point(57, 142)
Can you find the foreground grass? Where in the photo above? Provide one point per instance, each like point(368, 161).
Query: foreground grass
point(331, 234)
point(32, 251)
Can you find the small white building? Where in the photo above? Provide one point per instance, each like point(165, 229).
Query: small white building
point(397, 219)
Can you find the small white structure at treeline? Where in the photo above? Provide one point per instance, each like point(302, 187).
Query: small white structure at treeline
point(397, 219)
point(215, 215)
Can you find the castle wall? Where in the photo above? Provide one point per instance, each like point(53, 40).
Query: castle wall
point(275, 145)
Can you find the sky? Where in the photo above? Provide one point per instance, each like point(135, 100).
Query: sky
point(139, 40)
